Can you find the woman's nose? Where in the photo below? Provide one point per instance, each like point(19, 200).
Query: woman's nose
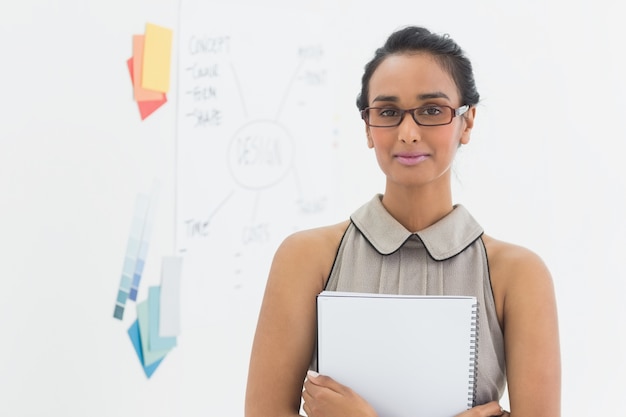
point(409, 130)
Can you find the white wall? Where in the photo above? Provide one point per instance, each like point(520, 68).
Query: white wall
point(544, 169)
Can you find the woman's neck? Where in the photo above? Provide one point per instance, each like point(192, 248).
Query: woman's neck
point(417, 208)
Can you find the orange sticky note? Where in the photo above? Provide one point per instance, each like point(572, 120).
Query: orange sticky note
point(141, 94)
point(146, 108)
point(157, 51)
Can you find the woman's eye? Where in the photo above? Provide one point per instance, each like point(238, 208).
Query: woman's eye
point(388, 112)
point(431, 111)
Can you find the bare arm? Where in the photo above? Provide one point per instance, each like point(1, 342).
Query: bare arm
point(526, 306)
point(285, 334)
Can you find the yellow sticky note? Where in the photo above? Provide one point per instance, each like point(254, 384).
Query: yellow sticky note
point(157, 51)
point(141, 94)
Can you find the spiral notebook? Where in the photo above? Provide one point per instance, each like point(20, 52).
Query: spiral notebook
point(405, 355)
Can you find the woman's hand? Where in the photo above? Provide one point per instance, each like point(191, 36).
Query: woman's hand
point(325, 397)
point(491, 409)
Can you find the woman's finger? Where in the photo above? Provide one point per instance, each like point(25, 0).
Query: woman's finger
point(491, 409)
point(324, 381)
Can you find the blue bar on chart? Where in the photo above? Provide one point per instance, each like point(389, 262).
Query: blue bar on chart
point(133, 245)
point(145, 242)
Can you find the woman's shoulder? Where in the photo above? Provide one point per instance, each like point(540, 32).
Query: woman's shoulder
point(310, 252)
point(323, 235)
point(516, 271)
point(520, 280)
point(505, 256)
point(316, 243)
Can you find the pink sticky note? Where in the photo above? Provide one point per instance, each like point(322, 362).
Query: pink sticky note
point(146, 108)
point(141, 94)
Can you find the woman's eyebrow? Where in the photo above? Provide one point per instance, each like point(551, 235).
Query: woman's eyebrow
point(436, 94)
point(425, 96)
point(392, 99)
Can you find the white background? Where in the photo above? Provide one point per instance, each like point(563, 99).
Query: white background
point(544, 169)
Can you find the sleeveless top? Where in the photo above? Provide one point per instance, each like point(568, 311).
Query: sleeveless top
point(378, 255)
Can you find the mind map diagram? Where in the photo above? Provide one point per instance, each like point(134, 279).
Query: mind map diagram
point(254, 146)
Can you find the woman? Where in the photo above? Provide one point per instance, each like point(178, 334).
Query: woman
point(418, 101)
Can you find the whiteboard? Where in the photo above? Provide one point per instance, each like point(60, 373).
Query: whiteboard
point(254, 158)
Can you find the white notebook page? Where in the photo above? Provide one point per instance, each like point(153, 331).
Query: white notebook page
point(406, 355)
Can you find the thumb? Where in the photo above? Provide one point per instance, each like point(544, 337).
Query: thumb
point(493, 408)
point(323, 381)
point(490, 409)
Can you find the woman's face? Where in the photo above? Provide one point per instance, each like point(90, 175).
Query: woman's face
point(409, 154)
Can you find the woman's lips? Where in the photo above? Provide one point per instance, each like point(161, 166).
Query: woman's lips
point(411, 158)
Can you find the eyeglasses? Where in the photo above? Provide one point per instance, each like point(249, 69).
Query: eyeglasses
point(423, 116)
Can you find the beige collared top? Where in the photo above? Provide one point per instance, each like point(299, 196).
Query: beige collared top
point(378, 255)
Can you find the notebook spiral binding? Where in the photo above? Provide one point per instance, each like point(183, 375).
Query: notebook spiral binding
point(471, 394)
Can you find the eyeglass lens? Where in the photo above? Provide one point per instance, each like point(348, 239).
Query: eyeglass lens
point(426, 116)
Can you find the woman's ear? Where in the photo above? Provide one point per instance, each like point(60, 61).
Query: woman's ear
point(469, 124)
point(368, 133)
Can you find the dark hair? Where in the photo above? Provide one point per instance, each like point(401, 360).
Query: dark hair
point(418, 39)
